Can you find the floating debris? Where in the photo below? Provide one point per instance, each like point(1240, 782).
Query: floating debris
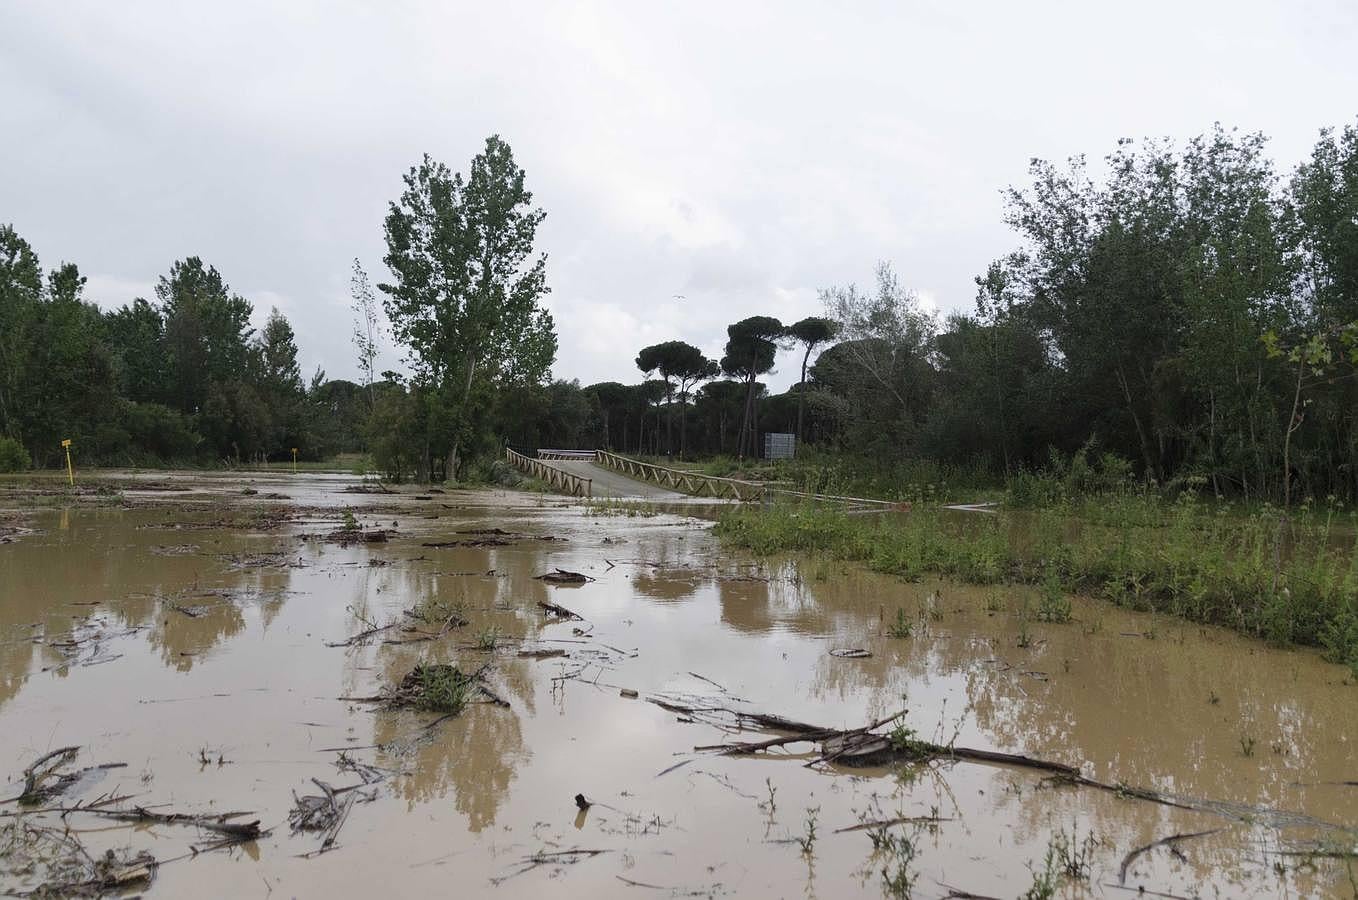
point(562, 576)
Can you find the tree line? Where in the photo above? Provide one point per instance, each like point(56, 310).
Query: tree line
point(182, 377)
point(1188, 312)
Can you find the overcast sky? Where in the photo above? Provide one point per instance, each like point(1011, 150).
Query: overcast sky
point(738, 155)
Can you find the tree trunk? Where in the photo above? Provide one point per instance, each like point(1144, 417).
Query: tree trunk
point(754, 428)
point(1144, 441)
point(999, 403)
point(669, 419)
point(1292, 425)
point(801, 393)
point(683, 423)
point(1212, 440)
point(451, 472)
point(745, 418)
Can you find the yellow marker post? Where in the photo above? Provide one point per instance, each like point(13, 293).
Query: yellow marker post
point(294, 459)
point(70, 470)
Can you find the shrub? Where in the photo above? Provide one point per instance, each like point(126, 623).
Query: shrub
point(1340, 639)
point(160, 431)
point(1054, 605)
point(13, 456)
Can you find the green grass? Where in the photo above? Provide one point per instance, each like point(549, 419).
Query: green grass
point(1289, 581)
point(488, 638)
point(439, 688)
point(902, 627)
point(872, 477)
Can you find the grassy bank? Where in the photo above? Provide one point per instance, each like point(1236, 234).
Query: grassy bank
point(822, 472)
point(1287, 581)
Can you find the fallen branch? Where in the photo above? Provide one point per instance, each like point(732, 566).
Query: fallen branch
point(559, 611)
point(562, 576)
point(453, 621)
point(325, 813)
point(542, 653)
point(887, 823)
point(1163, 842)
point(241, 831)
point(111, 875)
point(959, 894)
point(565, 857)
point(362, 636)
point(41, 769)
point(469, 542)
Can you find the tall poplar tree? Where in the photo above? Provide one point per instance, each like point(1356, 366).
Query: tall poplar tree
point(465, 299)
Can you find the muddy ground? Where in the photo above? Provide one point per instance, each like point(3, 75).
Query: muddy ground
point(194, 637)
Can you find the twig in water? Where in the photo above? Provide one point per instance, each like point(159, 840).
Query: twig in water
point(563, 857)
point(41, 769)
point(887, 823)
point(1166, 841)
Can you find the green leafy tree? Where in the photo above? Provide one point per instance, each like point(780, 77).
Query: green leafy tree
point(278, 353)
point(810, 332)
point(207, 332)
point(366, 333)
point(70, 386)
point(612, 399)
point(680, 366)
point(137, 338)
point(751, 350)
point(1315, 354)
point(20, 294)
point(882, 362)
point(719, 407)
point(467, 286)
point(281, 388)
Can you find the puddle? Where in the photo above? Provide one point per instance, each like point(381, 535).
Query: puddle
point(197, 655)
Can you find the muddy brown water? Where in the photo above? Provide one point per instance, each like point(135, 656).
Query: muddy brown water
point(189, 641)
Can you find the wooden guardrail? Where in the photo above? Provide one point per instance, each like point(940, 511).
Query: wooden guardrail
point(693, 483)
point(715, 486)
point(546, 453)
point(556, 478)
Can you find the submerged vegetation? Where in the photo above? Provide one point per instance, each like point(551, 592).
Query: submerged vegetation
point(1283, 579)
point(436, 688)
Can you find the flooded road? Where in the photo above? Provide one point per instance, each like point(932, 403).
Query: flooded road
point(188, 635)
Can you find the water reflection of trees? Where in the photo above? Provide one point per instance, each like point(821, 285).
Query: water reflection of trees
point(1163, 712)
point(778, 599)
point(105, 566)
point(477, 754)
point(668, 584)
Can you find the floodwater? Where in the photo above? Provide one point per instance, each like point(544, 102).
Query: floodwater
point(192, 646)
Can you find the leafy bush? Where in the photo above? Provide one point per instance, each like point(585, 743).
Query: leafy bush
point(1070, 479)
point(161, 431)
point(1340, 638)
point(1054, 605)
point(13, 456)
